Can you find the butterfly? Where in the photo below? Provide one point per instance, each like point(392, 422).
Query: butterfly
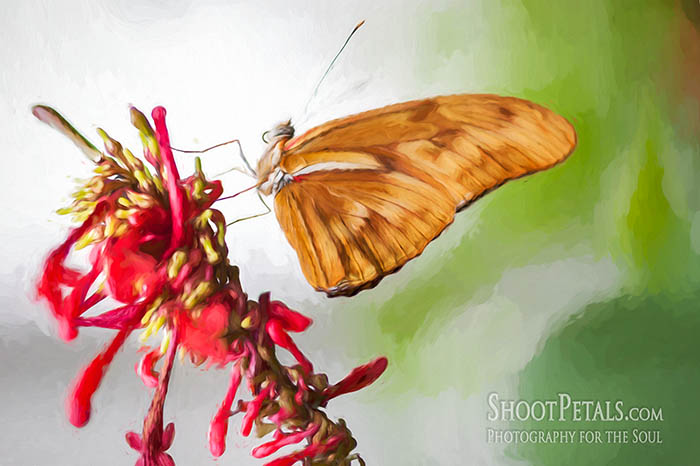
point(358, 197)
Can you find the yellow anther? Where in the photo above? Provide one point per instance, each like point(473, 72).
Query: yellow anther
point(147, 316)
point(221, 233)
point(111, 224)
point(130, 159)
point(203, 218)
point(165, 342)
point(144, 201)
point(105, 169)
point(178, 259)
point(198, 188)
point(212, 256)
point(96, 184)
point(79, 194)
point(84, 205)
point(151, 145)
point(153, 307)
point(112, 146)
point(123, 213)
point(145, 334)
point(96, 233)
point(158, 183)
point(124, 202)
point(148, 178)
point(141, 123)
point(147, 172)
point(138, 285)
point(143, 181)
point(83, 242)
point(158, 323)
point(198, 294)
point(121, 229)
point(247, 323)
point(80, 217)
point(155, 322)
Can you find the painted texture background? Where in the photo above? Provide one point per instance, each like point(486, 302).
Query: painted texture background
point(584, 279)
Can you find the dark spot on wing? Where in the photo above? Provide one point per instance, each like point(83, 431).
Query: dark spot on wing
point(420, 112)
point(506, 113)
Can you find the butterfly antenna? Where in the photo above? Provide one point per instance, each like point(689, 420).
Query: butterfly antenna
point(359, 25)
point(240, 153)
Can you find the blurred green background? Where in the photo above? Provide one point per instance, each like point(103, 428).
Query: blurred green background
point(619, 224)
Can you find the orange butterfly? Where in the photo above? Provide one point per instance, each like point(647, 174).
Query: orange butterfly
point(360, 196)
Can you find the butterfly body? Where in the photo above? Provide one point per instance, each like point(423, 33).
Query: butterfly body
point(360, 196)
point(271, 177)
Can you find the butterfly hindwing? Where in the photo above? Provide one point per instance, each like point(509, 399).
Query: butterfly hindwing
point(372, 190)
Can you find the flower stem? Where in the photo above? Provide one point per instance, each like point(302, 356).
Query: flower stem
point(153, 424)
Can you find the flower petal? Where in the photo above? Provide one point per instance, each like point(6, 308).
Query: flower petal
point(165, 460)
point(144, 368)
point(125, 266)
point(219, 424)
point(79, 401)
point(312, 451)
point(253, 409)
point(275, 329)
point(168, 436)
point(359, 378)
point(134, 440)
point(56, 275)
point(292, 321)
point(119, 318)
point(266, 449)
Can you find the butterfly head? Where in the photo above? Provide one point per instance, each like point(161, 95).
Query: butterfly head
point(269, 172)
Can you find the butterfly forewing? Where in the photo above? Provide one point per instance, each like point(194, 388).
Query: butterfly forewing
point(377, 187)
point(350, 231)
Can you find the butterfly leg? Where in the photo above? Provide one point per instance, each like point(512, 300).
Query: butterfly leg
point(256, 215)
point(240, 153)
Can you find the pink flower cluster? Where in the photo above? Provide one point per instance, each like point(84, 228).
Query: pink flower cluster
point(157, 248)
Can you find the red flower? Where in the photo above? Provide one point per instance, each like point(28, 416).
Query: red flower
point(157, 248)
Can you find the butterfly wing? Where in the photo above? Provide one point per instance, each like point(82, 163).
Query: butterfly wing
point(373, 189)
